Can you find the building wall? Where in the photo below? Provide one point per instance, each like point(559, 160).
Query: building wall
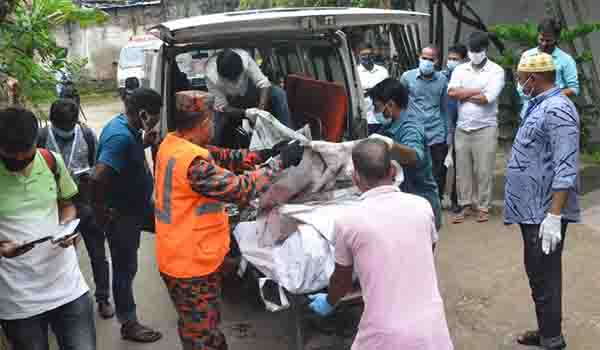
point(101, 44)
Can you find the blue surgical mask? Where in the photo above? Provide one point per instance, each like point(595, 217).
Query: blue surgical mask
point(381, 119)
point(63, 134)
point(521, 89)
point(452, 64)
point(426, 66)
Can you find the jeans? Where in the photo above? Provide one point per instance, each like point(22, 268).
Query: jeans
point(123, 234)
point(72, 323)
point(545, 279)
point(278, 107)
point(94, 239)
point(439, 152)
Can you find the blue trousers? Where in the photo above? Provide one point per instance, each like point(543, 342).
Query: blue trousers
point(72, 323)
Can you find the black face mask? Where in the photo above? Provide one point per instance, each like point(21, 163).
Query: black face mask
point(16, 165)
point(367, 62)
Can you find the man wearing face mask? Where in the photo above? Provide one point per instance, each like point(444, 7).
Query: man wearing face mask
point(549, 31)
point(427, 90)
point(122, 199)
point(405, 136)
point(77, 144)
point(41, 287)
point(370, 75)
point(457, 55)
point(476, 86)
point(238, 85)
point(542, 191)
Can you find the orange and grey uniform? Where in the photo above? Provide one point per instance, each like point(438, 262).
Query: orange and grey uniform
point(192, 228)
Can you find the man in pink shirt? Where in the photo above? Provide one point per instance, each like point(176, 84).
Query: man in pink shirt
point(387, 239)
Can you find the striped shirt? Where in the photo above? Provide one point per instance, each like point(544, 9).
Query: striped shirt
point(544, 159)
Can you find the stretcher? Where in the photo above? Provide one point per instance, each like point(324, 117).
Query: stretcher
point(296, 313)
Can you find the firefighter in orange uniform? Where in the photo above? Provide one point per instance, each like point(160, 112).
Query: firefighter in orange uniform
point(193, 180)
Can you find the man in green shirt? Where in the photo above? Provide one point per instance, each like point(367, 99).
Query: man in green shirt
point(42, 286)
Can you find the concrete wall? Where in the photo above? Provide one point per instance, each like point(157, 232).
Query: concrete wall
point(102, 44)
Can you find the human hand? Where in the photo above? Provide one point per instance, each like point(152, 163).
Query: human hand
point(252, 114)
point(151, 137)
point(72, 241)
point(478, 99)
point(12, 249)
point(320, 305)
point(291, 154)
point(550, 233)
point(387, 140)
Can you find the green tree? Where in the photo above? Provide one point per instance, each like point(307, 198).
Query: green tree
point(28, 48)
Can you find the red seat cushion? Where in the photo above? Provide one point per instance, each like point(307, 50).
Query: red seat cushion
point(324, 100)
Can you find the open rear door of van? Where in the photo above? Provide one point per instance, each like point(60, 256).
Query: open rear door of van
point(278, 22)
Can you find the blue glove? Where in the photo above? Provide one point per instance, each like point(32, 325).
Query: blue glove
point(320, 305)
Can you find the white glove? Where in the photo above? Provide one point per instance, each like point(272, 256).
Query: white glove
point(252, 114)
point(388, 141)
point(449, 161)
point(550, 233)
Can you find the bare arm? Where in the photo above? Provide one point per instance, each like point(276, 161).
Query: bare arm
point(404, 155)
point(478, 99)
point(103, 176)
point(67, 211)
point(559, 199)
point(265, 98)
point(569, 92)
point(340, 283)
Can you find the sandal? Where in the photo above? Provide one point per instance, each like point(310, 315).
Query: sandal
point(134, 331)
point(461, 214)
point(530, 338)
point(484, 216)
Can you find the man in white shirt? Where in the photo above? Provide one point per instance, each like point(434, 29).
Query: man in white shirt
point(42, 286)
point(396, 269)
point(238, 84)
point(476, 86)
point(371, 74)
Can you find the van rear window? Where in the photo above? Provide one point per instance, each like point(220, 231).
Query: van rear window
point(131, 57)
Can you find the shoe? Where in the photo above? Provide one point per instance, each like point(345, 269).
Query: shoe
point(105, 310)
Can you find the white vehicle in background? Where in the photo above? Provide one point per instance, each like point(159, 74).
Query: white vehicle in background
point(135, 57)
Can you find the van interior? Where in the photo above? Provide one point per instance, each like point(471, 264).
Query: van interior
point(310, 71)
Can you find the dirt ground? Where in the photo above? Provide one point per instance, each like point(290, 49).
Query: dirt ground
point(481, 277)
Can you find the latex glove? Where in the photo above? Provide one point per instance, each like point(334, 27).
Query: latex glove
point(320, 305)
point(550, 233)
point(251, 114)
point(388, 141)
point(449, 161)
point(291, 154)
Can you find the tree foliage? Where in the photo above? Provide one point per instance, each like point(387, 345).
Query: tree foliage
point(28, 48)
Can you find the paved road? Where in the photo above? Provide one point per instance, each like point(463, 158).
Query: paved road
point(481, 279)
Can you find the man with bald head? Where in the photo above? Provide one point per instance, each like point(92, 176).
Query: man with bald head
point(409, 312)
point(427, 90)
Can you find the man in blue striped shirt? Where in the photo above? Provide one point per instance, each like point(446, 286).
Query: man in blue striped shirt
point(541, 193)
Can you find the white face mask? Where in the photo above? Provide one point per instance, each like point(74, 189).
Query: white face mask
point(477, 57)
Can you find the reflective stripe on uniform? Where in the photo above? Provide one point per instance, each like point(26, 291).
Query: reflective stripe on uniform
point(209, 208)
point(164, 215)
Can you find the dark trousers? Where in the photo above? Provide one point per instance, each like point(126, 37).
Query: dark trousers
point(454, 193)
point(439, 152)
point(545, 279)
point(123, 235)
point(196, 301)
point(72, 324)
point(94, 240)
